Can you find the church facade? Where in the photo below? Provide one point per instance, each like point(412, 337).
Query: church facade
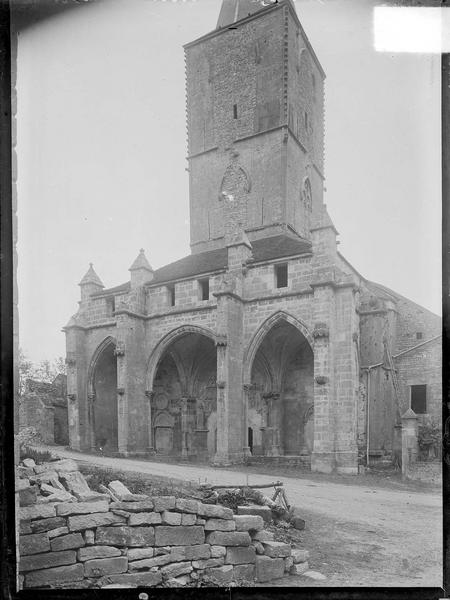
point(264, 341)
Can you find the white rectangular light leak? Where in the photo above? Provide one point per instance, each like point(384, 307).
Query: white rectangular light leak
point(412, 29)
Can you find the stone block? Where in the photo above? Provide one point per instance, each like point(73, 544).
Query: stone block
point(176, 569)
point(33, 544)
point(186, 505)
point(200, 521)
point(28, 496)
point(21, 484)
point(170, 518)
point(139, 553)
point(214, 511)
point(229, 538)
point(55, 576)
point(81, 508)
point(298, 523)
point(268, 568)
point(97, 552)
point(240, 555)
point(149, 518)
point(195, 552)
point(218, 551)
point(150, 563)
point(75, 483)
point(25, 527)
point(91, 496)
point(89, 537)
point(36, 562)
point(248, 522)
point(299, 556)
point(188, 519)
point(261, 511)
point(120, 491)
point(288, 562)
point(258, 547)
point(179, 536)
point(299, 569)
point(25, 472)
point(314, 575)
point(124, 535)
point(53, 533)
point(28, 462)
point(164, 503)
point(208, 563)
point(263, 536)
point(59, 494)
point(45, 477)
point(67, 542)
point(80, 522)
point(105, 566)
point(220, 575)
point(132, 580)
point(276, 549)
point(220, 525)
point(133, 507)
point(244, 573)
point(47, 524)
point(38, 511)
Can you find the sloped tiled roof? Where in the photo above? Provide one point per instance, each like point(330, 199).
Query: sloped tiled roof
point(141, 262)
point(216, 260)
point(91, 277)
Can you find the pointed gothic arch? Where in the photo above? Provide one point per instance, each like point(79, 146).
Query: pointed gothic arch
point(108, 341)
point(260, 334)
point(165, 343)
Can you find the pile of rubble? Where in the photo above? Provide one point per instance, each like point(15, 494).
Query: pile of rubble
point(73, 537)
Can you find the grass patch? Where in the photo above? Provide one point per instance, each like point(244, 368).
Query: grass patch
point(39, 456)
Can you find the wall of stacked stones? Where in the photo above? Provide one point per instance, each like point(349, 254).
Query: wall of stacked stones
point(77, 538)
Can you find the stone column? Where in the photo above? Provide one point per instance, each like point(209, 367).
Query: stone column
point(91, 410)
point(246, 389)
point(122, 398)
point(150, 395)
point(323, 458)
point(73, 399)
point(409, 440)
point(184, 427)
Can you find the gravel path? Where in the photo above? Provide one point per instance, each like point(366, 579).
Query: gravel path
point(374, 536)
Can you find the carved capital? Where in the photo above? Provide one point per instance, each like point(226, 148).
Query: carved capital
point(150, 394)
point(321, 330)
point(221, 340)
point(321, 379)
point(120, 391)
point(120, 349)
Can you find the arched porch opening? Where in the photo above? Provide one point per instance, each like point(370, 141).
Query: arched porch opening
point(103, 398)
point(184, 397)
point(281, 392)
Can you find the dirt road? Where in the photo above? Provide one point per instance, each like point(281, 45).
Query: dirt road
point(357, 536)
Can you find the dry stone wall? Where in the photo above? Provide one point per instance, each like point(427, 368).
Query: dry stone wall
point(73, 537)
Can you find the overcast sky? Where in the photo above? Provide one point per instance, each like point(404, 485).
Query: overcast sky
point(102, 146)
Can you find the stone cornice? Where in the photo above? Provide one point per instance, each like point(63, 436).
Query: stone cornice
point(181, 311)
point(94, 326)
point(212, 149)
point(129, 313)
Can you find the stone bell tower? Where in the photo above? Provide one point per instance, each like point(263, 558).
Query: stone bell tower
point(255, 123)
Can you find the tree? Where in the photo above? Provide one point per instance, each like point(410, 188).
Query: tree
point(45, 370)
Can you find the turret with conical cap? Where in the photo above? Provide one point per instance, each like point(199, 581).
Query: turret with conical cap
point(90, 284)
point(141, 270)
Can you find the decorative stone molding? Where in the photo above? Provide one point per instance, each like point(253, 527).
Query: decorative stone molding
point(221, 384)
point(249, 387)
point(91, 396)
point(321, 379)
point(321, 330)
point(150, 394)
point(271, 396)
point(71, 397)
point(120, 349)
point(120, 391)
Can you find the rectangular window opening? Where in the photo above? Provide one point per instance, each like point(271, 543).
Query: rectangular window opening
point(171, 291)
point(235, 111)
point(110, 305)
point(281, 275)
point(204, 289)
point(419, 399)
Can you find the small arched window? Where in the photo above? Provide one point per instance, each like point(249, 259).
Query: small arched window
point(307, 194)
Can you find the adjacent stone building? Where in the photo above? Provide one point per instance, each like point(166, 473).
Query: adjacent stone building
point(264, 340)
